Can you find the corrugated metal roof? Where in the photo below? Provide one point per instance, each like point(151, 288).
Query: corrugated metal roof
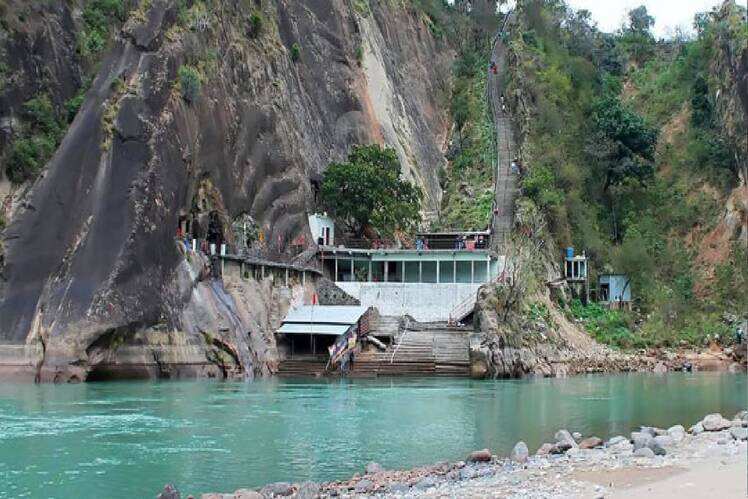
point(325, 314)
point(330, 329)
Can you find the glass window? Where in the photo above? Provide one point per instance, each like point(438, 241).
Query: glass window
point(464, 274)
point(428, 271)
point(481, 271)
point(411, 272)
point(447, 271)
point(361, 270)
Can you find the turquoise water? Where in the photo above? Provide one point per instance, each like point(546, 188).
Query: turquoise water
point(126, 439)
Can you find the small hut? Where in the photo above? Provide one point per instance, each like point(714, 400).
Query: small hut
point(614, 290)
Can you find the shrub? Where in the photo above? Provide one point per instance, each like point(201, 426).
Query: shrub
point(255, 25)
point(190, 83)
point(359, 55)
point(295, 51)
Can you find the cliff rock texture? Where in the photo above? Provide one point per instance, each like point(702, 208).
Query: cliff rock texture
point(191, 104)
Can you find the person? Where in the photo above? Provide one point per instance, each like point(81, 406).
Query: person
point(514, 166)
point(425, 244)
point(419, 244)
point(458, 241)
point(739, 335)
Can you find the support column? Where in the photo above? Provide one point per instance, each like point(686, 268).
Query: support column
point(403, 265)
point(262, 269)
point(472, 271)
point(369, 270)
point(420, 271)
point(241, 270)
point(286, 276)
point(386, 271)
point(303, 277)
point(335, 277)
point(454, 271)
point(353, 276)
point(488, 269)
point(438, 264)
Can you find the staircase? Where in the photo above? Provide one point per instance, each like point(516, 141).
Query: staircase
point(386, 325)
point(419, 353)
point(302, 367)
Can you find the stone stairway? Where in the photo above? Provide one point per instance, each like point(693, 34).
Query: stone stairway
point(302, 368)
point(387, 325)
point(419, 353)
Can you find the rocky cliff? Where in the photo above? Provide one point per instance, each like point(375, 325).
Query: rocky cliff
point(226, 107)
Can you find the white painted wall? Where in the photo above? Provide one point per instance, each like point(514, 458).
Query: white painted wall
point(422, 301)
point(317, 224)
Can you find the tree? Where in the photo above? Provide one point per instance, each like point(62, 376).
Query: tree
point(367, 191)
point(640, 21)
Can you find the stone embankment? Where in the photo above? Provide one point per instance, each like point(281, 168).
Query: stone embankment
point(711, 453)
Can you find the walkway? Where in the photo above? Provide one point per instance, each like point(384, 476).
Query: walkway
point(506, 182)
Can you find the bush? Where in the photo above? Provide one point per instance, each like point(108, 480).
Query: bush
point(190, 83)
point(359, 55)
point(255, 25)
point(607, 326)
point(97, 18)
point(295, 51)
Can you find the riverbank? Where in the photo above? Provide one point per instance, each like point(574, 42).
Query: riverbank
point(708, 459)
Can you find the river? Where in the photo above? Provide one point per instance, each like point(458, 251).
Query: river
point(127, 439)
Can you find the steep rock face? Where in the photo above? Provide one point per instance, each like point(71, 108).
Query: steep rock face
point(90, 249)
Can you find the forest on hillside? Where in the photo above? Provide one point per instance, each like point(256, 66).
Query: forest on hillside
point(636, 153)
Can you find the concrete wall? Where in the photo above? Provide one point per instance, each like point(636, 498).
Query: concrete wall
point(317, 223)
point(422, 301)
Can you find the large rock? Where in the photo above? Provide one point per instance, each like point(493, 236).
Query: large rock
point(644, 452)
point(657, 448)
point(697, 428)
point(663, 440)
point(427, 482)
point(520, 453)
point(641, 439)
point(739, 433)
point(364, 486)
point(619, 444)
point(563, 436)
point(677, 433)
point(479, 456)
point(742, 416)
point(591, 443)
point(715, 422)
point(660, 368)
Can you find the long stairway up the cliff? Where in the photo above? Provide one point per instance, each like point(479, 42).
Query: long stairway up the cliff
point(505, 189)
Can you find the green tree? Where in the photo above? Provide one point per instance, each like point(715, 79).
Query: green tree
point(367, 191)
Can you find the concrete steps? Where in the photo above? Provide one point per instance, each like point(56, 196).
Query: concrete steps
point(301, 368)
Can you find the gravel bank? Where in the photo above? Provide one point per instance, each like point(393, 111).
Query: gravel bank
point(708, 459)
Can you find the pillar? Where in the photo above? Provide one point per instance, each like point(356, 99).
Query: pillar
point(369, 270)
point(286, 276)
point(335, 277)
point(438, 264)
point(262, 271)
point(303, 277)
point(472, 271)
point(386, 271)
point(454, 271)
point(353, 278)
point(420, 271)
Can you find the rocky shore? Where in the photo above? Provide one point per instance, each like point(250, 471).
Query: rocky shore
point(711, 453)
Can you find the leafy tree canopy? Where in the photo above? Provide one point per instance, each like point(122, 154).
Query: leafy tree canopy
point(367, 191)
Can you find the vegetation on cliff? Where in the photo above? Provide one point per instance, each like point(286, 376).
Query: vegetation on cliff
point(631, 160)
point(367, 192)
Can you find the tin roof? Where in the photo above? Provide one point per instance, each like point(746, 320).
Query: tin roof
point(321, 319)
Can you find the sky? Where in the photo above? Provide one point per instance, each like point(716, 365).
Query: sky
point(668, 14)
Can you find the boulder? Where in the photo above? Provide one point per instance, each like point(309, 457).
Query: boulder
point(741, 416)
point(658, 449)
point(677, 433)
point(307, 490)
point(282, 489)
point(426, 483)
point(398, 488)
point(563, 436)
point(660, 368)
point(664, 440)
point(560, 447)
point(373, 468)
point(253, 494)
point(641, 439)
point(169, 492)
point(619, 444)
point(739, 433)
point(591, 443)
point(544, 449)
point(364, 486)
point(479, 456)
point(520, 453)
point(650, 430)
point(577, 436)
point(697, 428)
point(468, 473)
point(715, 422)
point(644, 452)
